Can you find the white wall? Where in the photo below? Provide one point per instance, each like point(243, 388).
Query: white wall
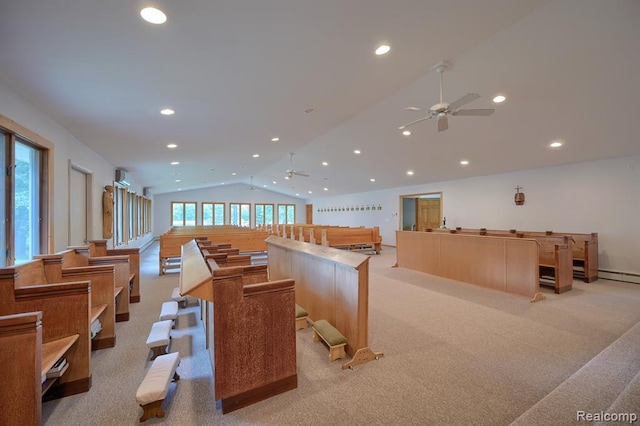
point(238, 193)
point(601, 196)
point(66, 148)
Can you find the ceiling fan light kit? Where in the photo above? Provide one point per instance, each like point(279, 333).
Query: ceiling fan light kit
point(442, 109)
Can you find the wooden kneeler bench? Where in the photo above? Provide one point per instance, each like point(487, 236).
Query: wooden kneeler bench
point(159, 337)
point(169, 311)
point(153, 389)
point(301, 317)
point(324, 331)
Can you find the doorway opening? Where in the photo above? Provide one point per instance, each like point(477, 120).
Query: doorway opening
point(420, 211)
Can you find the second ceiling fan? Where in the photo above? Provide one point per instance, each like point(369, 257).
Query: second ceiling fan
point(293, 172)
point(441, 110)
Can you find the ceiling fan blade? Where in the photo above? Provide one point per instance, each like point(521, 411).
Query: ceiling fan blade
point(463, 101)
point(443, 123)
point(484, 112)
point(411, 123)
point(300, 173)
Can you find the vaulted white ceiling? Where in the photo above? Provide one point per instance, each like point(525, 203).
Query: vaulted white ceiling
point(239, 73)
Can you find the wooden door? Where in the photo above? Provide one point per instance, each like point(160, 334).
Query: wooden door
point(309, 214)
point(427, 213)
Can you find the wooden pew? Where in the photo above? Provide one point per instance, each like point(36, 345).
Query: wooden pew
point(353, 238)
point(554, 255)
point(65, 332)
point(48, 269)
point(79, 257)
point(585, 249)
point(98, 248)
point(250, 323)
point(245, 239)
point(21, 354)
point(331, 284)
point(224, 260)
point(585, 254)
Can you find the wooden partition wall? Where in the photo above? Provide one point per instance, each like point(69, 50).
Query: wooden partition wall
point(331, 284)
point(505, 264)
point(252, 341)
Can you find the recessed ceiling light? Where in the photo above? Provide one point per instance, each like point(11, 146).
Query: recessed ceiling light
point(167, 111)
point(499, 99)
point(324, 163)
point(464, 162)
point(175, 163)
point(276, 139)
point(234, 173)
point(172, 145)
point(406, 133)
point(372, 180)
point(310, 192)
point(326, 189)
point(274, 182)
point(153, 15)
point(177, 180)
point(286, 177)
point(410, 172)
point(382, 49)
point(256, 155)
point(555, 144)
point(356, 151)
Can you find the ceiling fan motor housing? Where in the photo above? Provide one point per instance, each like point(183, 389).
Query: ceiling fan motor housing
point(440, 107)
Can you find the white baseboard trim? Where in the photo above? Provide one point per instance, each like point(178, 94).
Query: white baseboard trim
point(628, 277)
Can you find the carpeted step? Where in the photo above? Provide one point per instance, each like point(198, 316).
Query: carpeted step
point(594, 388)
point(628, 401)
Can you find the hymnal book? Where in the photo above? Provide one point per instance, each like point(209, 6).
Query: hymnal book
point(57, 373)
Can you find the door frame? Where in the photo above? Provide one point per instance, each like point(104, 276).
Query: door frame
point(431, 194)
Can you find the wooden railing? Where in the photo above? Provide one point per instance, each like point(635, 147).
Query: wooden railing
point(505, 264)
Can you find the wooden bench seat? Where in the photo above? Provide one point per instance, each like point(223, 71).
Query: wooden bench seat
point(353, 238)
point(53, 351)
point(59, 313)
point(159, 338)
point(324, 331)
point(155, 385)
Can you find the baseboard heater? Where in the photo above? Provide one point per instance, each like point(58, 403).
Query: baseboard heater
point(628, 277)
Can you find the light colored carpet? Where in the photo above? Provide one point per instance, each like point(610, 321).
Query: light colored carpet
point(454, 354)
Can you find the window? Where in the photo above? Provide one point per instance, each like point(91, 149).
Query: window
point(183, 213)
point(264, 214)
point(286, 214)
point(213, 213)
point(24, 213)
point(240, 214)
point(120, 213)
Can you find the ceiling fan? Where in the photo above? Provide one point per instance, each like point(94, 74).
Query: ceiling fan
point(252, 187)
point(441, 110)
point(291, 172)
